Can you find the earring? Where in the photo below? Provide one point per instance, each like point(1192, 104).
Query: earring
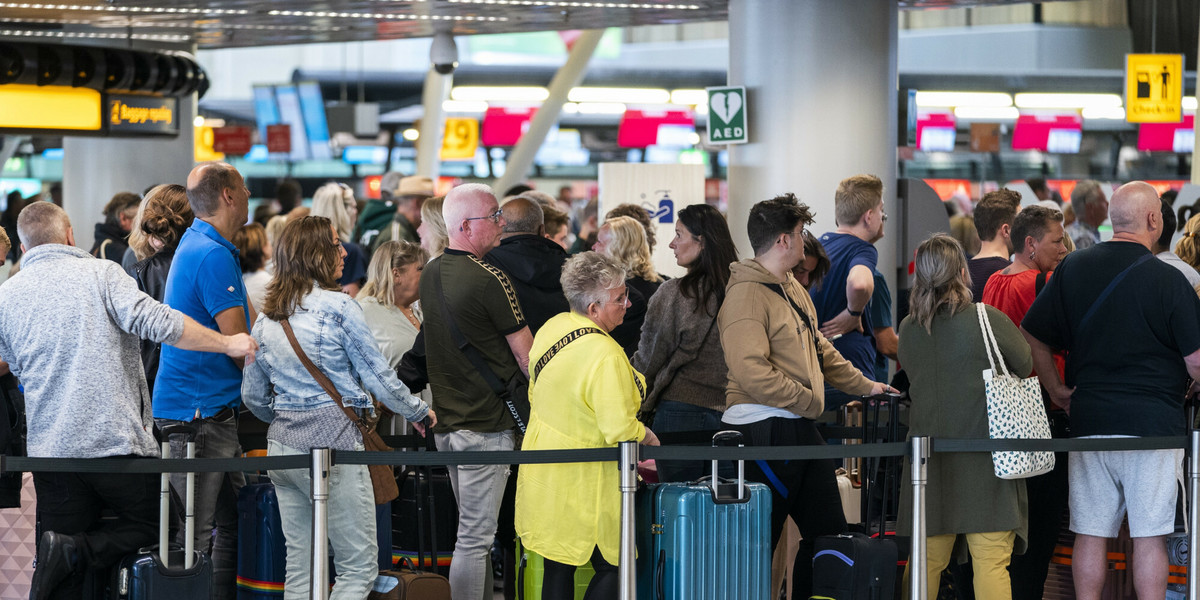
point(1032, 254)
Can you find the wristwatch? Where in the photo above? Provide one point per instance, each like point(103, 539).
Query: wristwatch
point(854, 313)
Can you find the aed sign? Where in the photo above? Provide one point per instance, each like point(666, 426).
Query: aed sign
point(129, 114)
point(1153, 88)
point(461, 139)
point(727, 115)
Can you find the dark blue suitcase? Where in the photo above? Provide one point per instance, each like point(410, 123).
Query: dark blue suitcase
point(154, 575)
point(854, 566)
point(262, 552)
point(701, 541)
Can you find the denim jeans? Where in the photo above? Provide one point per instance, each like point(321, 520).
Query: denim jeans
point(216, 498)
point(351, 527)
point(478, 490)
point(671, 417)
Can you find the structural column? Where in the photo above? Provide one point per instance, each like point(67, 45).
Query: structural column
point(820, 82)
point(95, 168)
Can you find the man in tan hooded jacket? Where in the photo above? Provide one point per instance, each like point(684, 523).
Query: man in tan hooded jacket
point(778, 364)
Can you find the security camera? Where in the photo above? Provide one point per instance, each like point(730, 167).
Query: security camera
point(443, 53)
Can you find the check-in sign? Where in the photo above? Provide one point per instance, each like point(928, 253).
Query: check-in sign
point(461, 139)
point(727, 115)
point(1153, 88)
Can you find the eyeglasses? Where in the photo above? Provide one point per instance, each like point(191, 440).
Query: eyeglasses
point(619, 300)
point(495, 217)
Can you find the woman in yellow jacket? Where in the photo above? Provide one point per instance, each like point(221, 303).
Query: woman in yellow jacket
point(583, 394)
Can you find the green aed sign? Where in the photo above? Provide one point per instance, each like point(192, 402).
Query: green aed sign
point(727, 115)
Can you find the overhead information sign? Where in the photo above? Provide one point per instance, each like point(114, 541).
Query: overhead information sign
point(461, 139)
point(130, 114)
point(232, 140)
point(727, 115)
point(32, 107)
point(1153, 88)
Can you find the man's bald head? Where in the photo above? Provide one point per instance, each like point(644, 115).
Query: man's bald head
point(467, 201)
point(207, 182)
point(1130, 206)
point(523, 215)
point(43, 223)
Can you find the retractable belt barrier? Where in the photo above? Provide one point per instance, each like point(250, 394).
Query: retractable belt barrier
point(917, 449)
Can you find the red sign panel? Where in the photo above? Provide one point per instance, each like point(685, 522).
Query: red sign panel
point(1167, 137)
point(232, 140)
point(639, 128)
point(936, 132)
point(503, 126)
point(1048, 133)
point(279, 138)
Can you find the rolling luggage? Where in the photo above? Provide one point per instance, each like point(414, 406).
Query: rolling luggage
point(426, 541)
point(531, 568)
point(853, 566)
point(155, 574)
point(705, 540)
point(262, 551)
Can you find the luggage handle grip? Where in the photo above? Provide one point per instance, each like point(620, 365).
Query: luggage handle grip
point(729, 437)
point(179, 429)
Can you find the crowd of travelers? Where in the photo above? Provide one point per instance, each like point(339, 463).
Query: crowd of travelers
point(448, 312)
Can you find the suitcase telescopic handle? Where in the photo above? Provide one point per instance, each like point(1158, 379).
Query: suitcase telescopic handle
point(725, 439)
point(179, 429)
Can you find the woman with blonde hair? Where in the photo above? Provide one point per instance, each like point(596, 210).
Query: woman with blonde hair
point(254, 251)
point(1188, 247)
point(389, 298)
point(161, 220)
point(963, 494)
point(305, 312)
point(624, 241)
point(335, 202)
point(432, 230)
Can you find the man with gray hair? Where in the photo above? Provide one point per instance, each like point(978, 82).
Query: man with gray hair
point(477, 344)
point(204, 388)
point(78, 356)
point(532, 261)
point(1130, 327)
point(1091, 210)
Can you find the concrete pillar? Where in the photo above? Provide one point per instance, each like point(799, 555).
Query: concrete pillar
point(433, 123)
point(95, 168)
point(820, 82)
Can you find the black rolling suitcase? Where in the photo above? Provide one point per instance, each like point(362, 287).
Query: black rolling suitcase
point(151, 573)
point(863, 566)
point(425, 516)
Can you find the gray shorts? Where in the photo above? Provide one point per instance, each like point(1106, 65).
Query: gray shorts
point(1105, 486)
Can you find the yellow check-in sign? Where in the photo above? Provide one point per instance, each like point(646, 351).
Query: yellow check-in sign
point(1153, 88)
point(461, 139)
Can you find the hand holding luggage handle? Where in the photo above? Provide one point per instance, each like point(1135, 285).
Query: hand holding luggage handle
point(164, 499)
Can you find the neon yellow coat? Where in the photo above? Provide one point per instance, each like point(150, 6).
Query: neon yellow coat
point(587, 396)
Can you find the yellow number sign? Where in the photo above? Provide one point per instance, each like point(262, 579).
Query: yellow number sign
point(1153, 88)
point(461, 139)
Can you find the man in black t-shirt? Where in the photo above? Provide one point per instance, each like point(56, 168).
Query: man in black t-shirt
point(485, 308)
point(1131, 327)
point(994, 219)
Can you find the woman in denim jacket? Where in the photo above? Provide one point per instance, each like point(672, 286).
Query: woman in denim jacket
point(277, 388)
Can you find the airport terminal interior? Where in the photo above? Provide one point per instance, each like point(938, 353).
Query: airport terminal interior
point(662, 104)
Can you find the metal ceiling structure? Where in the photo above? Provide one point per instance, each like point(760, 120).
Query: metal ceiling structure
point(214, 24)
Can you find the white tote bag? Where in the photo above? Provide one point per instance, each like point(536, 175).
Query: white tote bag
point(1015, 411)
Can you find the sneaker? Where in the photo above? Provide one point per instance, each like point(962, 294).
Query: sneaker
point(57, 559)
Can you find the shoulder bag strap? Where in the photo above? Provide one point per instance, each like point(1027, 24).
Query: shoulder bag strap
point(472, 353)
point(1039, 282)
point(322, 379)
point(567, 339)
point(1112, 285)
point(778, 289)
point(989, 341)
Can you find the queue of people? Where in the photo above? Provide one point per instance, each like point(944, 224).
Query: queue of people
point(472, 320)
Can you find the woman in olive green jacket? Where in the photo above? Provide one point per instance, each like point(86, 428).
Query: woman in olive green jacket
point(942, 349)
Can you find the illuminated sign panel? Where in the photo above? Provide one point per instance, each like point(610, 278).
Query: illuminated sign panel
point(142, 115)
point(61, 108)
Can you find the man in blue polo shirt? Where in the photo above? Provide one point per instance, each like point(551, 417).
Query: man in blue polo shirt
point(842, 297)
point(204, 388)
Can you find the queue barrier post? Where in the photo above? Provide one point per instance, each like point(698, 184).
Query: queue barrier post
point(1193, 592)
point(918, 584)
point(319, 572)
point(626, 570)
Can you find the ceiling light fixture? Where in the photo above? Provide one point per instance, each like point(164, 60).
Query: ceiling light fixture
point(464, 106)
point(108, 8)
point(987, 113)
point(481, 93)
point(562, 4)
point(1114, 113)
point(689, 97)
point(1067, 101)
point(964, 99)
point(621, 95)
point(158, 37)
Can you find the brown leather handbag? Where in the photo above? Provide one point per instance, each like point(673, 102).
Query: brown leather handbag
point(383, 479)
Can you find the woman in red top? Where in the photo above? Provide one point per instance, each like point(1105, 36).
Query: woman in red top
point(1037, 234)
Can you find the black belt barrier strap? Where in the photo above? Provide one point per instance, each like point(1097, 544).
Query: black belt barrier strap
point(1062, 445)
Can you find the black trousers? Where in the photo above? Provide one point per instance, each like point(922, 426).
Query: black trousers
point(70, 503)
point(805, 490)
point(558, 580)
